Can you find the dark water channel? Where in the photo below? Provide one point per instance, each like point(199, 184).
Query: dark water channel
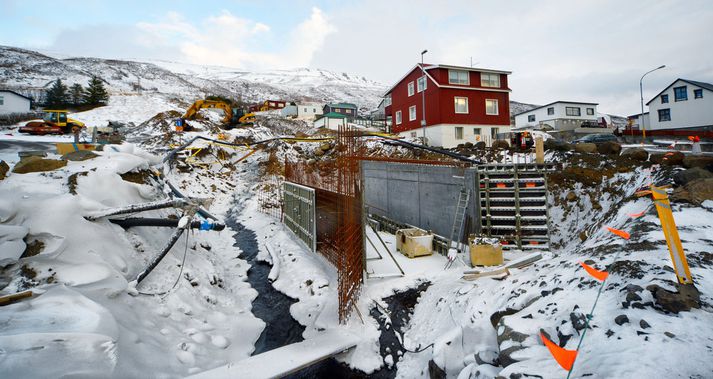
point(273, 307)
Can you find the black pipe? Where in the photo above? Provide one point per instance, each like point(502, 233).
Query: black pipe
point(164, 222)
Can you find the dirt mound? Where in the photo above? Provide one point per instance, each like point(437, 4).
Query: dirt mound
point(4, 168)
point(672, 158)
point(694, 192)
point(609, 148)
point(636, 153)
point(37, 164)
point(686, 176)
point(585, 148)
point(690, 161)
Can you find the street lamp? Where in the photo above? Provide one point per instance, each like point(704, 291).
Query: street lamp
point(423, 98)
point(641, 90)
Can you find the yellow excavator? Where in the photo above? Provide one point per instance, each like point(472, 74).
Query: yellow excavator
point(233, 116)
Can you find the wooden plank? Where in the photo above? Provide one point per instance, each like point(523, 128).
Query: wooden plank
point(288, 359)
point(7, 299)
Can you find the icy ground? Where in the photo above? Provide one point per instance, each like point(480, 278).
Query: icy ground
point(85, 321)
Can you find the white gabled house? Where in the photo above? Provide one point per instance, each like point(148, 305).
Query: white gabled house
point(13, 102)
point(683, 106)
point(331, 120)
point(559, 116)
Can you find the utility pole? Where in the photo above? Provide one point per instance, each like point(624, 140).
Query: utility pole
point(423, 98)
point(641, 91)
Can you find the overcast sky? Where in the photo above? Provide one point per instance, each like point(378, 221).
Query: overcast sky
point(593, 51)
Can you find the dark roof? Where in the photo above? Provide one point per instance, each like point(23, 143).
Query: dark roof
point(555, 102)
point(703, 85)
point(342, 105)
point(7, 90)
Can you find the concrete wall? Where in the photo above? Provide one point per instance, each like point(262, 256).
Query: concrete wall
point(421, 195)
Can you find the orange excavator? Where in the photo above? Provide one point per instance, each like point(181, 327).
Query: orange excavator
point(233, 116)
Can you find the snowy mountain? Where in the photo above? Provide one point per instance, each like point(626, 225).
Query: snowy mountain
point(31, 72)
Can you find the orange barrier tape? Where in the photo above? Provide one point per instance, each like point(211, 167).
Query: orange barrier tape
point(637, 215)
point(619, 233)
point(564, 357)
point(596, 274)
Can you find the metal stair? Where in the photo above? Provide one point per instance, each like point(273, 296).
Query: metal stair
point(513, 203)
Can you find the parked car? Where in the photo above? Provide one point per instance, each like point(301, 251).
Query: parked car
point(596, 138)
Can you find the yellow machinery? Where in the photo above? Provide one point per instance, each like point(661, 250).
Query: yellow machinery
point(54, 122)
point(232, 115)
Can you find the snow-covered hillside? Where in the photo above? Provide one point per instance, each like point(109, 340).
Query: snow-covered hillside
point(29, 72)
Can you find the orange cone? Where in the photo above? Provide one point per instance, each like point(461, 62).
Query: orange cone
point(564, 357)
point(596, 274)
point(619, 233)
point(637, 215)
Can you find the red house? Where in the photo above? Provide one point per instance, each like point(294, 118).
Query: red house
point(463, 104)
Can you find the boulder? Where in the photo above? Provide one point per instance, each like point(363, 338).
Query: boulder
point(318, 152)
point(695, 192)
point(585, 148)
point(636, 153)
point(500, 144)
point(515, 339)
point(690, 161)
point(325, 146)
point(672, 158)
point(37, 164)
point(621, 320)
point(4, 168)
point(79, 155)
point(557, 145)
point(686, 298)
point(609, 148)
point(468, 145)
point(687, 176)
point(571, 196)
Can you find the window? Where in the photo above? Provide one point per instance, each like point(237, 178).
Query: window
point(280, 105)
point(590, 111)
point(459, 132)
point(421, 84)
point(62, 117)
point(410, 88)
point(664, 99)
point(412, 113)
point(2, 100)
point(387, 100)
point(476, 131)
point(458, 77)
point(338, 110)
point(491, 107)
point(489, 80)
point(680, 94)
point(314, 110)
point(551, 111)
point(272, 104)
point(697, 94)
point(348, 111)
point(573, 111)
point(305, 110)
point(461, 104)
point(665, 114)
point(413, 134)
point(494, 133)
point(398, 118)
point(531, 118)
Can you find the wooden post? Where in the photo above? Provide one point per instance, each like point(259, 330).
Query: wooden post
point(539, 151)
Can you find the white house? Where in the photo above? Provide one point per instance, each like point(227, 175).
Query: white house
point(559, 116)
point(635, 121)
point(683, 105)
point(308, 110)
point(289, 111)
point(13, 102)
point(331, 120)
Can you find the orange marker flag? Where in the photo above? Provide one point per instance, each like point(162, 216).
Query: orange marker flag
point(619, 233)
point(596, 274)
point(564, 357)
point(637, 215)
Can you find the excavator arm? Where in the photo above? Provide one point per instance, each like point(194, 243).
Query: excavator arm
point(202, 104)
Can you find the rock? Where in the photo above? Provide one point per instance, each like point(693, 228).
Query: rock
point(557, 145)
point(669, 334)
point(632, 296)
point(690, 161)
point(636, 153)
point(79, 155)
point(325, 146)
point(585, 148)
point(37, 164)
point(4, 168)
point(643, 324)
point(695, 192)
point(480, 145)
point(672, 158)
point(621, 320)
point(578, 319)
point(318, 152)
point(686, 176)
point(609, 148)
point(486, 357)
point(435, 372)
point(468, 145)
point(596, 206)
point(571, 196)
point(583, 236)
point(684, 300)
point(500, 144)
point(506, 333)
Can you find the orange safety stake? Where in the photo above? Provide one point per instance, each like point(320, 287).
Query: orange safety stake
point(637, 215)
point(564, 357)
point(596, 274)
point(619, 233)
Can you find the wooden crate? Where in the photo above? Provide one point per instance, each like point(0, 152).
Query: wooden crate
point(414, 242)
